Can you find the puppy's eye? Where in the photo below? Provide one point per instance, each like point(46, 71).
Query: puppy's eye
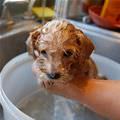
point(68, 53)
point(44, 53)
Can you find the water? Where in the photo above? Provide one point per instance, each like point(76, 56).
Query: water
point(45, 106)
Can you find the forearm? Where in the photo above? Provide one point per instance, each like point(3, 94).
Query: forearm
point(102, 96)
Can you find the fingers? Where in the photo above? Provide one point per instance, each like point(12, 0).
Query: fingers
point(47, 84)
point(58, 88)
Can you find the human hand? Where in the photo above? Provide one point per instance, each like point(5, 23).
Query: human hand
point(70, 89)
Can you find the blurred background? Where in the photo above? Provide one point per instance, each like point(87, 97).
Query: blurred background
point(99, 20)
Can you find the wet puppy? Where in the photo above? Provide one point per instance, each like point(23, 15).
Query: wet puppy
point(61, 52)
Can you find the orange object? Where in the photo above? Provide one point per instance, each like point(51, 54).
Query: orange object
point(95, 12)
point(111, 10)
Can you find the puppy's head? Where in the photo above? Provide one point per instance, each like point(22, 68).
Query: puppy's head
point(59, 49)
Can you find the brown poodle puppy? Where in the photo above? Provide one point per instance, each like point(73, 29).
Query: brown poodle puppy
point(61, 52)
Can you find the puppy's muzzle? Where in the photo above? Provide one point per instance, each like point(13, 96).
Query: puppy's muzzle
point(53, 75)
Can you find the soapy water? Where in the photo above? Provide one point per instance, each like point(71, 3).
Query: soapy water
point(42, 105)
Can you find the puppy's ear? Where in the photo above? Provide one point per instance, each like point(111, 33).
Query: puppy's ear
point(32, 41)
point(85, 44)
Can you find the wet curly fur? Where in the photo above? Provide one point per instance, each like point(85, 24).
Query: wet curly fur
point(61, 51)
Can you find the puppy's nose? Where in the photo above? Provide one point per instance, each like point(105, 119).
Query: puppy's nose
point(53, 75)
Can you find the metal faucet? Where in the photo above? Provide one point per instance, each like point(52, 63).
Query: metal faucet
point(8, 6)
point(6, 18)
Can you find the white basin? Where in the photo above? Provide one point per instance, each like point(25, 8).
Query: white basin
point(17, 81)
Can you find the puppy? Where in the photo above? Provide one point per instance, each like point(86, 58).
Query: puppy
point(61, 52)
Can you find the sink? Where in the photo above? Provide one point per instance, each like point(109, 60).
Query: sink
point(12, 42)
